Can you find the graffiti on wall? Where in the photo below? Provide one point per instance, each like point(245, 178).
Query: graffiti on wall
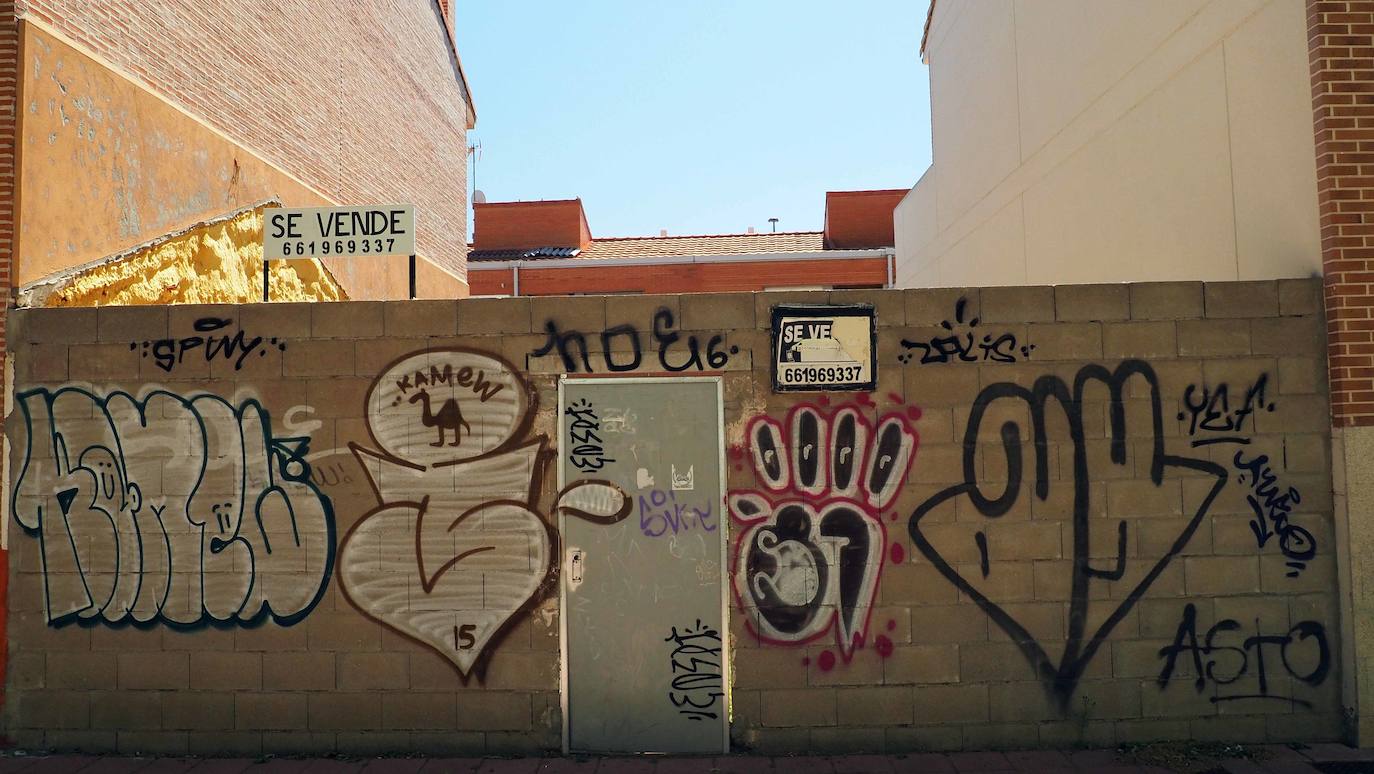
point(207, 344)
point(697, 685)
point(1131, 573)
point(621, 347)
point(183, 510)
point(1212, 417)
point(455, 548)
point(961, 343)
point(1300, 655)
point(811, 545)
point(1272, 505)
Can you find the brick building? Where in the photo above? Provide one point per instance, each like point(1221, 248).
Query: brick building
point(544, 248)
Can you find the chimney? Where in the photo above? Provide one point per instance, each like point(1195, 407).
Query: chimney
point(527, 225)
point(861, 219)
point(751, 229)
point(663, 232)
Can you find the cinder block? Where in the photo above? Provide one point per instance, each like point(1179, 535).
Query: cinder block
point(889, 306)
point(851, 742)
point(962, 703)
point(1135, 498)
point(585, 314)
point(343, 630)
point(279, 320)
point(1301, 375)
point(1300, 297)
point(923, 742)
point(1166, 300)
point(1021, 702)
point(126, 710)
point(372, 743)
point(1084, 303)
point(124, 324)
point(994, 661)
point(637, 311)
point(418, 711)
point(338, 711)
point(347, 319)
point(533, 670)
point(226, 671)
point(448, 743)
point(198, 711)
point(319, 357)
point(764, 303)
point(494, 315)
point(56, 326)
point(275, 639)
point(298, 671)
point(86, 742)
point(1258, 298)
point(1208, 575)
point(1001, 736)
point(153, 670)
point(915, 583)
point(420, 318)
point(950, 623)
point(152, 742)
point(494, 711)
point(716, 311)
point(26, 671)
point(50, 710)
point(373, 671)
point(103, 362)
point(78, 671)
point(1017, 304)
point(225, 744)
point(808, 707)
point(1207, 338)
point(1140, 340)
point(856, 671)
point(928, 385)
point(922, 664)
point(1287, 336)
point(270, 711)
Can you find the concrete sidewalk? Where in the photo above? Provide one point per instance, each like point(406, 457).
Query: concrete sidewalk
point(1265, 759)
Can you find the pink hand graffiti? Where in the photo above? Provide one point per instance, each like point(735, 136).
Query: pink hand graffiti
point(811, 547)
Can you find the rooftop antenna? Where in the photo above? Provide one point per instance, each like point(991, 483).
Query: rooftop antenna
point(475, 153)
point(774, 221)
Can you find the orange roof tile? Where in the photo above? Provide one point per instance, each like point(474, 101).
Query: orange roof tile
point(703, 244)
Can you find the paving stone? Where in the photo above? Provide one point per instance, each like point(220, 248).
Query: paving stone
point(1038, 760)
point(801, 764)
point(451, 765)
point(113, 765)
point(224, 766)
point(923, 763)
point(394, 765)
point(862, 764)
point(745, 764)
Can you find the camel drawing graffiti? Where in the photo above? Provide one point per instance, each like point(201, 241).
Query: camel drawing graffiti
point(450, 417)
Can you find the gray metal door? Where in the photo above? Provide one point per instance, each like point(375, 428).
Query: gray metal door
point(643, 599)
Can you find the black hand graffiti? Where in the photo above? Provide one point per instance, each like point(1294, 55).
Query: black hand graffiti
point(1080, 646)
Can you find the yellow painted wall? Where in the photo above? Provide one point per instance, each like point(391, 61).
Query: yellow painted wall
point(214, 263)
point(106, 165)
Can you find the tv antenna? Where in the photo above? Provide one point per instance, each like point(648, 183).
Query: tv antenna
point(475, 153)
point(774, 221)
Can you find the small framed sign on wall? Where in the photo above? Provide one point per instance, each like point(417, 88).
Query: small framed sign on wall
point(824, 348)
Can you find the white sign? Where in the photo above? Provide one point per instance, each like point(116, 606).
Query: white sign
point(823, 348)
point(320, 232)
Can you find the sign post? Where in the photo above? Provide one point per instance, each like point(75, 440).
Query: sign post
point(334, 232)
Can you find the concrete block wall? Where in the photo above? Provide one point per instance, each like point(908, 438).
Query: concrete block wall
point(1086, 566)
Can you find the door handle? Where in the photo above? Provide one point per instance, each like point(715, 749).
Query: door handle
point(575, 565)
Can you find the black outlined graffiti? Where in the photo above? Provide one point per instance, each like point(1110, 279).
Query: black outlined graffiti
point(660, 513)
point(811, 546)
point(168, 509)
point(456, 549)
point(1273, 507)
point(696, 668)
point(576, 354)
point(965, 345)
point(1061, 677)
point(587, 452)
point(1303, 652)
point(1209, 411)
point(169, 353)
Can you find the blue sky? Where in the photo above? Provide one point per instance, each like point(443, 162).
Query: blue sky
point(700, 117)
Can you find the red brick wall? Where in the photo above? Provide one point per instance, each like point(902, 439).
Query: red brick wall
point(360, 100)
point(519, 225)
point(683, 277)
point(1341, 51)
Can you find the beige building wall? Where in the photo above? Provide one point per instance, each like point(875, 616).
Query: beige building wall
point(1081, 141)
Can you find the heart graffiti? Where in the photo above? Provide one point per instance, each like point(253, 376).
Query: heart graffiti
point(1133, 575)
point(456, 547)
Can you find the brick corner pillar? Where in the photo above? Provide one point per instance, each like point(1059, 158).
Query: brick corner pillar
point(1340, 38)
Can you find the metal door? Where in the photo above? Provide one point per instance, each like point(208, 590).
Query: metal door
point(643, 599)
